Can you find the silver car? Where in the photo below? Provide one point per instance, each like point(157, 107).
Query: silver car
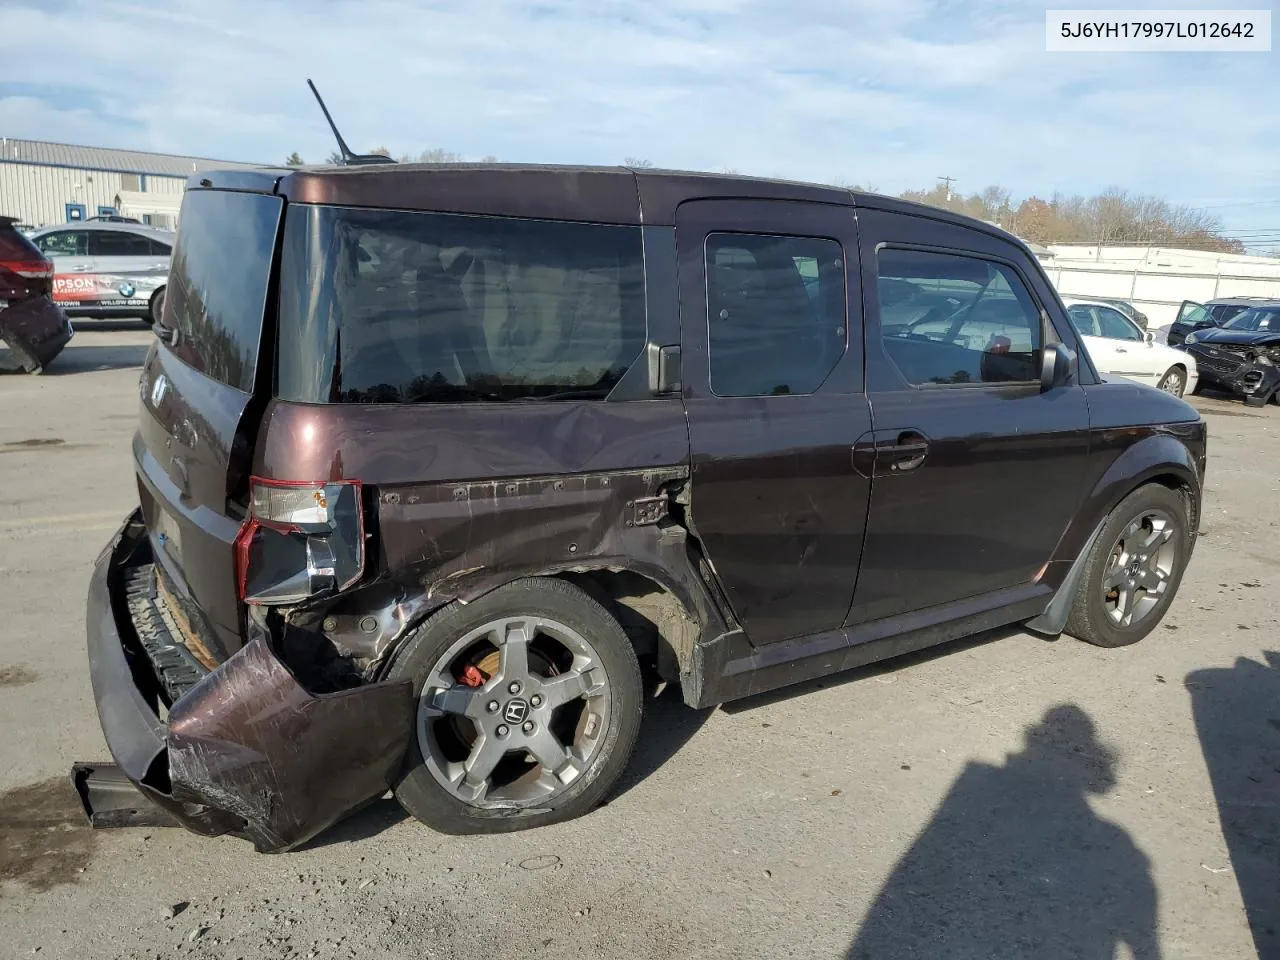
point(106, 269)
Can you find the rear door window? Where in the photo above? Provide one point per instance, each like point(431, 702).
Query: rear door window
point(1115, 326)
point(113, 243)
point(217, 289)
point(776, 310)
point(380, 306)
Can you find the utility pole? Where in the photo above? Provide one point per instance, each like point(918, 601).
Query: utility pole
point(948, 181)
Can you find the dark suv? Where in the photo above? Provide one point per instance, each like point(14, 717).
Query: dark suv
point(464, 446)
point(1193, 316)
point(33, 330)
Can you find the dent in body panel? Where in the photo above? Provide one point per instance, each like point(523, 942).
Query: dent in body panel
point(451, 542)
point(561, 484)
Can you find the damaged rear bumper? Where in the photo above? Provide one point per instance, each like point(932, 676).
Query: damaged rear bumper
point(36, 330)
point(247, 750)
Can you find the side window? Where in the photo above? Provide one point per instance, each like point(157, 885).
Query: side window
point(776, 313)
point(381, 306)
point(1083, 319)
point(64, 243)
point(157, 249)
point(984, 329)
point(110, 243)
point(1114, 325)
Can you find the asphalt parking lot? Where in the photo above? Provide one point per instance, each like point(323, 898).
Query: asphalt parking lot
point(1006, 796)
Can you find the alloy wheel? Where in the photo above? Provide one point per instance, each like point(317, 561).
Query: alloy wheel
point(1140, 568)
point(1173, 383)
point(513, 712)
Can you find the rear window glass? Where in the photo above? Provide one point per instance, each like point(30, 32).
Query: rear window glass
point(381, 306)
point(218, 282)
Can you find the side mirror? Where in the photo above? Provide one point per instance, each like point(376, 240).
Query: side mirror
point(1056, 362)
point(1149, 336)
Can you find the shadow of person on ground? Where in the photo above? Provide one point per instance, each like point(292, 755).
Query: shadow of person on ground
point(1015, 864)
point(1237, 712)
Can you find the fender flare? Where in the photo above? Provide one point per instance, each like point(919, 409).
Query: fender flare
point(1156, 457)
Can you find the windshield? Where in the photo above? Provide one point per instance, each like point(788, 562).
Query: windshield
point(1256, 319)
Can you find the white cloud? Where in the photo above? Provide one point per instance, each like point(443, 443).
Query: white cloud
point(893, 94)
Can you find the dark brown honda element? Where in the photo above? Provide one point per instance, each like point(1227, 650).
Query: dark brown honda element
point(432, 459)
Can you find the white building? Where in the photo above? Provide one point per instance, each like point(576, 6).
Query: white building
point(43, 184)
point(1158, 279)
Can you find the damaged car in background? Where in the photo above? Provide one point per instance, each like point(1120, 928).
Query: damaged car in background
point(33, 330)
point(1243, 354)
point(466, 445)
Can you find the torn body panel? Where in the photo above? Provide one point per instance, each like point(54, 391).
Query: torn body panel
point(250, 740)
point(248, 749)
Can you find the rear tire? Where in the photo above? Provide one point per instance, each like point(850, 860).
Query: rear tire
point(1174, 381)
point(156, 310)
point(1133, 570)
point(460, 727)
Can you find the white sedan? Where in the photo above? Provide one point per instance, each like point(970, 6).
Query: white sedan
point(1119, 347)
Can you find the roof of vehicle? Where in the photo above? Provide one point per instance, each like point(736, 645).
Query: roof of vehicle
point(621, 195)
point(45, 153)
point(1244, 302)
point(1096, 301)
point(146, 231)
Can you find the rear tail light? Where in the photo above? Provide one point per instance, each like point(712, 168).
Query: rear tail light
point(300, 540)
point(29, 269)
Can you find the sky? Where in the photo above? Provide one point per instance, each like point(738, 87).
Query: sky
point(887, 94)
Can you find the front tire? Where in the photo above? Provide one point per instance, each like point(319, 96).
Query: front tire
point(1174, 381)
point(528, 704)
point(1133, 570)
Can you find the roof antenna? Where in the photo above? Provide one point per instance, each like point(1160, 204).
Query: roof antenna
point(348, 158)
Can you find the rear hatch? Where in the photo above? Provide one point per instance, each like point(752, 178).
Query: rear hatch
point(200, 390)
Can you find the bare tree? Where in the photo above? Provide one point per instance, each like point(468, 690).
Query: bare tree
point(439, 155)
point(294, 160)
point(1114, 216)
point(637, 163)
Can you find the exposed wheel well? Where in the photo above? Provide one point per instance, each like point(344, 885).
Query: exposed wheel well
point(659, 626)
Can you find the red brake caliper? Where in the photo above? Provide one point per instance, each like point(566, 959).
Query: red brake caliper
point(472, 676)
